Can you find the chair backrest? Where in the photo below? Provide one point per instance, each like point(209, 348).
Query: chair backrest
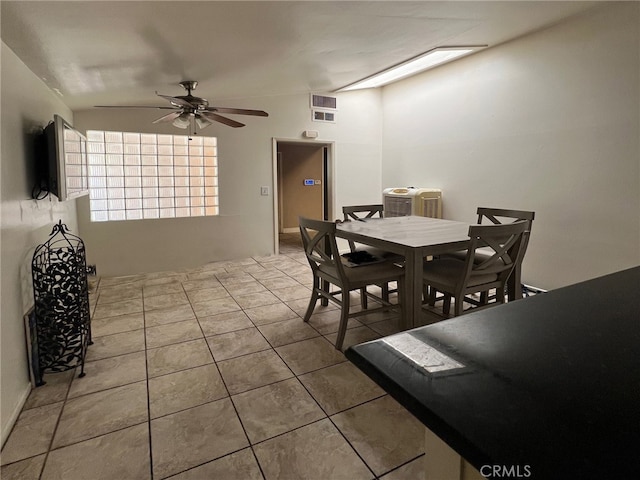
point(359, 212)
point(503, 241)
point(319, 242)
point(495, 214)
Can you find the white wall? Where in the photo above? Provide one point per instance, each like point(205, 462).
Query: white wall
point(27, 105)
point(548, 122)
point(245, 224)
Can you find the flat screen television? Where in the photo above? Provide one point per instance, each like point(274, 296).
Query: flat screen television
point(64, 171)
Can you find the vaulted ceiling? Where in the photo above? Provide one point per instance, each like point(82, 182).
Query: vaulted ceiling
point(121, 52)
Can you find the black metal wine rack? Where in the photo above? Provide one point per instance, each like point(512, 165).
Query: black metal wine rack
point(61, 294)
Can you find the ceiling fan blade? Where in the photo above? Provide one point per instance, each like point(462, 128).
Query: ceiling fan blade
point(213, 117)
point(133, 106)
point(176, 100)
point(169, 117)
point(238, 111)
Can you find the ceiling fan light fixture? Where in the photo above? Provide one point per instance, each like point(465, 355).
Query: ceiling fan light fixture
point(415, 65)
point(201, 122)
point(183, 121)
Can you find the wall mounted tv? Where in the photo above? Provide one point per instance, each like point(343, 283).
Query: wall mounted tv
point(63, 161)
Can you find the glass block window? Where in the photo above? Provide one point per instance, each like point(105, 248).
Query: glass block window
point(147, 175)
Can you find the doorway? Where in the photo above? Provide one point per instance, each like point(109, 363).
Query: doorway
point(302, 186)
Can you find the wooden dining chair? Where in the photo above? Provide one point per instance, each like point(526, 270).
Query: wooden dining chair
point(361, 213)
point(321, 250)
point(457, 279)
point(499, 216)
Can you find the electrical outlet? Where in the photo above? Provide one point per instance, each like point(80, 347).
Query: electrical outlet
point(264, 191)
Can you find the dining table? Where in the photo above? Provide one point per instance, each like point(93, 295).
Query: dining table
point(415, 238)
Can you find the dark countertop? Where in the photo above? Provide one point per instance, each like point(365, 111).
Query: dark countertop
point(551, 381)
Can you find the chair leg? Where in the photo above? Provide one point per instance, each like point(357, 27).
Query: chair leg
point(364, 301)
point(459, 306)
point(484, 297)
point(344, 319)
point(446, 306)
point(314, 299)
point(385, 292)
point(432, 296)
point(325, 286)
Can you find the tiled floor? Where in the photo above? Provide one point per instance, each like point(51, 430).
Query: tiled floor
point(211, 373)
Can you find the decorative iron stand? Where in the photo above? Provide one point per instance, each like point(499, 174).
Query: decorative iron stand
point(61, 294)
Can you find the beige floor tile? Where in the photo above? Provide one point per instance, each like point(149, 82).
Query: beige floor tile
point(293, 293)
point(270, 313)
point(122, 455)
point(206, 294)
point(327, 322)
point(206, 280)
point(115, 309)
point(224, 323)
point(340, 387)
point(393, 439)
point(385, 328)
point(247, 288)
point(309, 355)
point(118, 294)
point(300, 306)
point(162, 289)
point(165, 300)
point(229, 279)
point(354, 336)
point(32, 433)
point(189, 438)
point(100, 413)
point(275, 409)
point(256, 299)
point(409, 471)
point(111, 325)
point(130, 280)
point(176, 357)
point(234, 344)
point(240, 465)
point(252, 371)
point(215, 306)
point(28, 469)
point(268, 273)
point(316, 451)
point(275, 283)
point(54, 390)
point(116, 344)
point(172, 314)
point(289, 331)
point(109, 373)
point(173, 333)
point(185, 389)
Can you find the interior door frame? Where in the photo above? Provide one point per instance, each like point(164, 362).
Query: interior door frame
point(328, 174)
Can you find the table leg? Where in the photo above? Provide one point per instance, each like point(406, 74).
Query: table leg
point(413, 280)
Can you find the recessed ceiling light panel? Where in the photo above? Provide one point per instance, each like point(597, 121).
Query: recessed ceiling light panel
point(418, 64)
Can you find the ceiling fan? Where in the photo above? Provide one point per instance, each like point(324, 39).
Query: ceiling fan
point(188, 108)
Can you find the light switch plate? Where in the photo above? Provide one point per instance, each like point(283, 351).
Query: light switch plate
point(264, 191)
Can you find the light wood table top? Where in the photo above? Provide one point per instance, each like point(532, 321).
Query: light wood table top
point(413, 237)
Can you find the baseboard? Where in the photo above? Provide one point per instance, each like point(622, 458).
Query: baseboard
point(6, 429)
point(290, 230)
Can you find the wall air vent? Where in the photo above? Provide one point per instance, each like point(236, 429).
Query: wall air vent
point(322, 116)
point(320, 101)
